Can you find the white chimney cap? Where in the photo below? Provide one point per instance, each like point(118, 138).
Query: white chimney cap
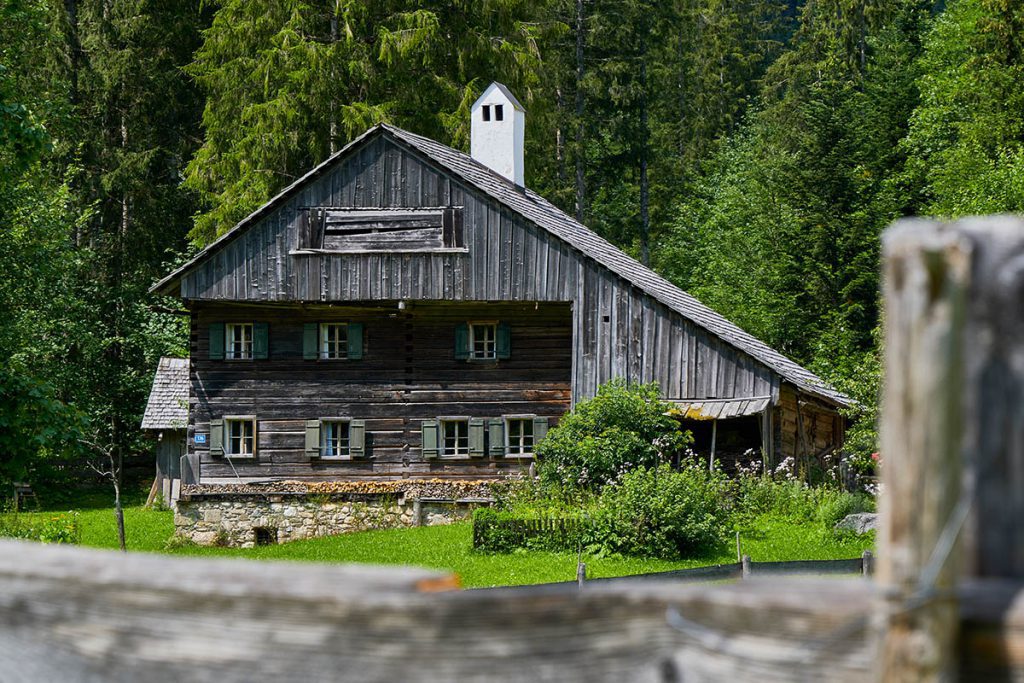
point(498, 128)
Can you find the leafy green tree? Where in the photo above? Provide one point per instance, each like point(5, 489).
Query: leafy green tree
point(966, 141)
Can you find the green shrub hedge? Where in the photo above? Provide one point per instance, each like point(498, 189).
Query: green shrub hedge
point(501, 531)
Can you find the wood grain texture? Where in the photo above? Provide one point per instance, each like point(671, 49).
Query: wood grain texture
point(927, 278)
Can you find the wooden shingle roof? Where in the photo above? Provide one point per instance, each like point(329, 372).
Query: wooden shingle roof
point(167, 407)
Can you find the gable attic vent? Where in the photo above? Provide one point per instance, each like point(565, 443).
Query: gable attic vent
point(497, 129)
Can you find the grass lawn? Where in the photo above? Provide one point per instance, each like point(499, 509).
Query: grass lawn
point(449, 548)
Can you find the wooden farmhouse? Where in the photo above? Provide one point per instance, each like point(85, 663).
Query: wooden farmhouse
point(408, 310)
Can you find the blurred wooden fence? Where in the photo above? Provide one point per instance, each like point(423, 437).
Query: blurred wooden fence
point(946, 601)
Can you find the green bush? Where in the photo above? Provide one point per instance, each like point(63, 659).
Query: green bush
point(660, 512)
point(620, 429)
point(501, 531)
point(48, 528)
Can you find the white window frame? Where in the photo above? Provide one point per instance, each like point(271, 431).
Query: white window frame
point(524, 419)
point(489, 352)
point(460, 451)
point(228, 439)
point(327, 424)
point(340, 346)
point(245, 342)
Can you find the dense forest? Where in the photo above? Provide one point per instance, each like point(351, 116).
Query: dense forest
point(752, 151)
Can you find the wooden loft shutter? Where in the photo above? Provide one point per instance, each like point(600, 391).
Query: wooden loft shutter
point(260, 341)
point(496, 434)
point(216, 341)
point(462, 341)
point(476, 437)
point(503, 348)
point(313, 438)
point(310, 341)
point(540, 430)
point(216, 437)
point(357, 438)
point(355, 341)
point(429, 432)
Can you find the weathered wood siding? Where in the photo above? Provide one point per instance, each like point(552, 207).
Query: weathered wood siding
point(617, 330)
point(805, 427)
point(408, 373)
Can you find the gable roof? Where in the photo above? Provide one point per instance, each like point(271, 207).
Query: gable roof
point(504, 91)
point(543, 213)
point(167, 407)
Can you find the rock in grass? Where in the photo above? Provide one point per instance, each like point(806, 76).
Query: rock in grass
point(860, 523)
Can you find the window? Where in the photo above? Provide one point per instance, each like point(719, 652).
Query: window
point(455, 434)
point(519, 435)
point(241, 437)
point(333, 340)
point(499, 111)
point(238, 341)
point(335, 439)
point(482, 341)
point(340, 438)
point(487, 112)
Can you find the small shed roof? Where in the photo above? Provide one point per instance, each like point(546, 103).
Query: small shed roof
point(168, 400)
point(720, 408)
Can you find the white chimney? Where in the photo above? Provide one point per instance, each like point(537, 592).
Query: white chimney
point(498, 127)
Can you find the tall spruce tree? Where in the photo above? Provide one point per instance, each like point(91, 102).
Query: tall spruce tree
point(287, 82)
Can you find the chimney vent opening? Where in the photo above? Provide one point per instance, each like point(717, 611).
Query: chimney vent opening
point(487, 112)
point(499, 112)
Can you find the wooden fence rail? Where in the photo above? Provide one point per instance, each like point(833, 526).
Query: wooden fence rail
point(947, 600)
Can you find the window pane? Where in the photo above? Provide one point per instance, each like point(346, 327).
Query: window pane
point(482, 338)
point(333, 340)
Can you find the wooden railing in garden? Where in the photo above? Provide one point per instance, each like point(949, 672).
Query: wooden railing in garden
point(947, 601)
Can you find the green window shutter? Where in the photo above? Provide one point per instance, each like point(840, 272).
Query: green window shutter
point(476, 437)
point(260, 340)
point(462, 341)
point(313, 438)
point(310, 341)
point(503, 348)
point(429, 430)
point(357, 438)
point(217, 437)
point(355, 341)
point(216, 341)
point(540, 430)
point(496, 434)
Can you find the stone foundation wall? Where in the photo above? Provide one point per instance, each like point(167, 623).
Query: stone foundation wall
point(246, 516)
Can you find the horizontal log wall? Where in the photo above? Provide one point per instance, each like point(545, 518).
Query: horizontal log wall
point(408, 373)
point(618, 331)
point(805, 428)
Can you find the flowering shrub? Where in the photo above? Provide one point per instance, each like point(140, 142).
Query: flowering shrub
point(620, 429)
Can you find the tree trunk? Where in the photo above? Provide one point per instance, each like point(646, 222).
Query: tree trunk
point(580, 156)
point(645, 212)
point(118, 510)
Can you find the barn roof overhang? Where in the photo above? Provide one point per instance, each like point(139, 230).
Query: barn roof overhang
point(718, 408)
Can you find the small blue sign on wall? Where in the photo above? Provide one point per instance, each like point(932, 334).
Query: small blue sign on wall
point(200, 438)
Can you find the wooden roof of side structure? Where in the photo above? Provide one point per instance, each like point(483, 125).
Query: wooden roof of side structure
point(167, 407)
point(538, 211)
